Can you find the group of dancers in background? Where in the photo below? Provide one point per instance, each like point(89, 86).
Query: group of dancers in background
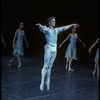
point(51, 33)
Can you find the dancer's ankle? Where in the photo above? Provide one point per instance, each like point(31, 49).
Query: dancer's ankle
point(19, 65)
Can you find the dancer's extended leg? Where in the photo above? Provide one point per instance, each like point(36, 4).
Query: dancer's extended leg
point(53, 56)
point(10, 61)
point(47, 57)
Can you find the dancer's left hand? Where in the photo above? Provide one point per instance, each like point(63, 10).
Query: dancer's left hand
point(90, 50)
point(84, 45)
point(76, 25)
point(60, 45)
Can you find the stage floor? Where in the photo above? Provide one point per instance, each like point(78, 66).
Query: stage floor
point(23, 83)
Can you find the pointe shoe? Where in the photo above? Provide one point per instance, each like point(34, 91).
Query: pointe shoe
point(19, 65)
point(41, 87)
point(70, 69)
point(48, 85)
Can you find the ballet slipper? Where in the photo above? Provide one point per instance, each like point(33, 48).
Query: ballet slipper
point(48, 85)
point(41, 87)
point(70, 69)
point(19, 65)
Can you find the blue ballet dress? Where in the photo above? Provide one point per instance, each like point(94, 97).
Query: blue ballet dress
point(18, 47)
point(71, 49)
point(97, 55)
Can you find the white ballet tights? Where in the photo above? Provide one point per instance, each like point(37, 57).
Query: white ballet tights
point(49, 58)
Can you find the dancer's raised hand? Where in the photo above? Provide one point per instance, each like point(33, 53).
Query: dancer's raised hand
point(38, 24)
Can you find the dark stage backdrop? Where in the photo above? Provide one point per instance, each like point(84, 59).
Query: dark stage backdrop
point(83, 12)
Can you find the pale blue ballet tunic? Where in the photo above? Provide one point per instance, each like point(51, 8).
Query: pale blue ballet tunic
point(51, 36)
point(18, 47)
point(97, 55)
point(71, 49)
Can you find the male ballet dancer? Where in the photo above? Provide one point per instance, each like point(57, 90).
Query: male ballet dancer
point(51, 34)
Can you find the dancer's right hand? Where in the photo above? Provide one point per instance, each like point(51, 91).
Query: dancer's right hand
point(38, 24)
point(90, 50)
point(60, 45)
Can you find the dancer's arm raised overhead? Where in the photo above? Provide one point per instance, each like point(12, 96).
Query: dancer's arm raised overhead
point(90, 49)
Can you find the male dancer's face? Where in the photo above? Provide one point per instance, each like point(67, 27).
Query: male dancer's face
point(52, 22)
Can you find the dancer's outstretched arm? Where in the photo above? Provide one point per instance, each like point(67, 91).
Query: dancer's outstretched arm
point(26, 40)
point(64, 40)
point(74, 25)
point(90, 49)
point(81, 41)
point(60, 28)
point(66, 27)
point(43, 28)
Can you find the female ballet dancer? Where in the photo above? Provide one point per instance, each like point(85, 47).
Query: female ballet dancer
point(96, 66)
point(18, 45)
point(51, 34)
point(71, 49)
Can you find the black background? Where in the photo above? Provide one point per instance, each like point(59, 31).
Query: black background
point(83, 12)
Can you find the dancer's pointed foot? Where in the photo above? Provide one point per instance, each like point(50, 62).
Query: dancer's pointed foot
point(41, 87)
point(70, 69)
point(19, 65)
point(48, 85)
